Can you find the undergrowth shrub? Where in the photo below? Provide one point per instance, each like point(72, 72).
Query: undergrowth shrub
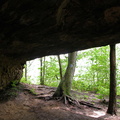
point(24, 81)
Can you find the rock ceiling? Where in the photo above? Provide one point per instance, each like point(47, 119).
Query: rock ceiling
point(35, 28)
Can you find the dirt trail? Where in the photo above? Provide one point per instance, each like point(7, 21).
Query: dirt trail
point(22, 103)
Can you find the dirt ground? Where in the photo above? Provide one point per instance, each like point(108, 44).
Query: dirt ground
point(24, 102)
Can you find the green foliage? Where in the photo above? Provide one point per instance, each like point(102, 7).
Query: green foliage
point(13, 91)
point(33, 91)
point(52, 83)
point(52, 75)
point(103, 92)
point(118, 100)
point(94, 75)
point(86, 96)
point(24, 81)
point(80, 85)
point(14, 83)
point(118, 90)
point(13, 94)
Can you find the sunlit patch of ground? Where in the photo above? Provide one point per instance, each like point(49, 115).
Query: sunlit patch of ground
point(26, 105)
point(97, 114)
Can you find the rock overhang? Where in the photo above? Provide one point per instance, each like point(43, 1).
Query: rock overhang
point(32, 28)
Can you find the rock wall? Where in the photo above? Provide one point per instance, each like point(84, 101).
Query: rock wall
point(11, 71)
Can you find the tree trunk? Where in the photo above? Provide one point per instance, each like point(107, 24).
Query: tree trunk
point(41, 72)
point(66, 82)
point(60, 67)
point(26, 71)
point(112, 96)
point(44, 71)
point(10, 71)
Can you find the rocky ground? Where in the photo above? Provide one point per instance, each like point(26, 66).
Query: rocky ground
point(26, 102)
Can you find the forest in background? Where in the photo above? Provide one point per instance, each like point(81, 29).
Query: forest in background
point(92, 71)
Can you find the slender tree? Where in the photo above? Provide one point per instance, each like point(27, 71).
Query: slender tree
point(41, 72)
point(112, 96)
point(64, 87)
point(60, 67)
point(44, 67)
point(26, 71)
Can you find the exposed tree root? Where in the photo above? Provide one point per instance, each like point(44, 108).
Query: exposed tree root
point(89, 105)
point(69, 100)
point(45, 97)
